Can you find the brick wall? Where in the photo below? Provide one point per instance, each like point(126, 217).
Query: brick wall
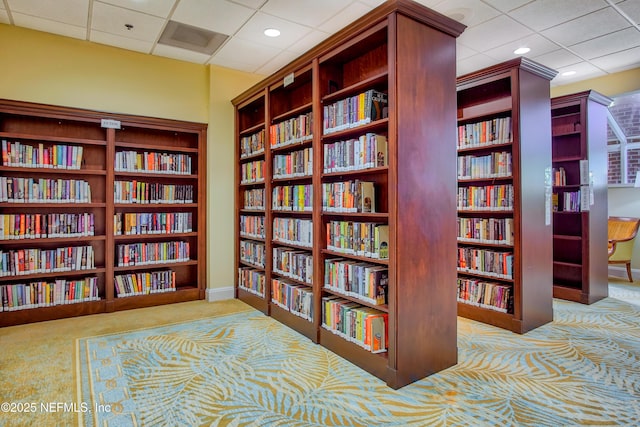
point(626, 111)
point(614, 168)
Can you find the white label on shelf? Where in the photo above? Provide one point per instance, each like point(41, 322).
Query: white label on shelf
point(288, 79)
point(108, 123)
point(548, 191)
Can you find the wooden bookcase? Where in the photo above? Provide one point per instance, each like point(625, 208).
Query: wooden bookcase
point(102, 138)
point(579, 131)
point(504, 131)
point(390, 50)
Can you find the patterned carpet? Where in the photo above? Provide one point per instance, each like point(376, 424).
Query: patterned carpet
point(248, 369)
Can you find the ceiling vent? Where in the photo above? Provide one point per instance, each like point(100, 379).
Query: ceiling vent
point(191, 38)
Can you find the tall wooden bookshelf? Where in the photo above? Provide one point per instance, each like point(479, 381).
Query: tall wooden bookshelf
point(579, 131)
point(107, 186)
point(504, 195)
point(389, 53)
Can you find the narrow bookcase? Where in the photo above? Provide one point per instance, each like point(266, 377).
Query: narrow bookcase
point(358, 228)
point(99, 212)
point(579, 141)
point(504, 196)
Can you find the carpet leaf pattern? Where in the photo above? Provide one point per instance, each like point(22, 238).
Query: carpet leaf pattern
point(248, 369)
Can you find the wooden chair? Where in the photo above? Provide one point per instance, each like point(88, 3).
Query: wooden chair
point(622, 233)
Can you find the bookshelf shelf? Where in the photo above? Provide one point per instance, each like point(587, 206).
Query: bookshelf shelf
point(579, 140)
point(47, 127)
point(362, 66)
point(380, 307)
point(507, 103)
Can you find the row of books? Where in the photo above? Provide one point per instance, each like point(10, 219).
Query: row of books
point(559, 177)
point(296, 299)
point(37, 226)
point(292, 131)
point(252, 172)
point(571, 201)
point(144, 283)
point(485, 262)
point(293, 263)
point(56, 156)
point(298, 198)
point(252, 252)
point(486, 230)
point(151, 192)
point(494, 165)
point(364, 326)
point(152, 253)
point(486, 198)
point(252, 226)
point(252, 281)
point(294, 164)
point(152, 162)
point(44, 190)
point(365, 239)
point(253, 199)
point(38, 260)
point(493, 296)
point(46, 294)
point(365, 152)
point(366, 282)
point(349, 196)
point(293, 231)
point(152, 223)
point(354, 111)
point(488, 132)
point(252, 144)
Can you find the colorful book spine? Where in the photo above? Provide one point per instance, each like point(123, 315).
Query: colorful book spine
point(486, 230)
point(145, 283)
point(294, 298)
point(151, 253)
point(292, 131)
point(252, 253)
point(485, 262)
point(354, 111)
point(293, 231)
point(153, 162)
point(297, 198)
point(485, 133)
point(254, 199)
point(152, 192)
point(152, 223)
point(252, 144)
point(252, 172)
point(37, 260)
point(366, 282)
point(365, 239)
point(365, 152)
point(295, 164)
point(17, 154)
point(349, 196)
point(37, 226)
point(252, 281)
point(44, 190)
point(486, 198)
point(252, 226)
point(494, 165)
point(293, 263)
point(46, 294)
point(490, 295)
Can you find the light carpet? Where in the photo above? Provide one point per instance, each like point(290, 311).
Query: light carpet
point(248, 369)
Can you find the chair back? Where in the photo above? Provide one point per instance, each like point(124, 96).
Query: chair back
point(622, 229)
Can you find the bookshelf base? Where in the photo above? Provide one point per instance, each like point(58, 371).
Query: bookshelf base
point(32, 315)
point(490, 317)
point(575, 295)
point(139, 301)
point(254, 301)
point(375, 364)
point(296, 323)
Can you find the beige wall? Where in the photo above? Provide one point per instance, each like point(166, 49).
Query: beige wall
point(226, 84)
point(50, 69)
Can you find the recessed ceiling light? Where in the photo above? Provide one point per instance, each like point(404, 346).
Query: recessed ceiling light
point(271, 32)
point(521, 50)
point(568, 73)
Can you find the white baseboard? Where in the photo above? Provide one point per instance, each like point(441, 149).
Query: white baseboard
point(621, 272)
point(220, 294)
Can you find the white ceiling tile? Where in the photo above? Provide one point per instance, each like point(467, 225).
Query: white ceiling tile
point(48, 26)
point(587, 27)
point(372, 3)
point(538, 45)
point(245, 52)
point(469, 12)
point(542, 14)
point(253, 4)
point(4, 17)
point(583, 70)
point(112, 19)
point(180, 54)
point(160, 8)
point(121, 42)
point(279, 61)
point(429, 3)
point(216, 15)
point(344, 18)
point(463, 51)
point(1, 5)
point(507, 5)
point(307, 42)
point(557, 59)
point(290, 33)
point(493, 33)
point(607, 44)
point(619, 61)
point(306, 12)
point(473, 63)
point(72, 12)
point(632, 9)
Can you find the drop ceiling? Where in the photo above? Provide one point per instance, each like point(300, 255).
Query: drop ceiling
point(591, 37)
